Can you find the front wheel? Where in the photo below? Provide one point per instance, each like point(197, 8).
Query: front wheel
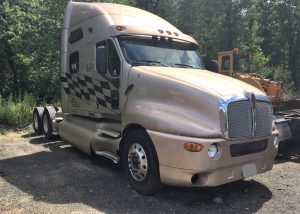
point(140, 163)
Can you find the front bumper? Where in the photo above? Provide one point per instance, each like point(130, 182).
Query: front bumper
point(182, 168)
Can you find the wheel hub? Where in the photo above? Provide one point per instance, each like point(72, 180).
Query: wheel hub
point(137, 162)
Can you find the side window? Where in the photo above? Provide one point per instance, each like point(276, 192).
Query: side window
point(225, 63)
point(76, 35)
point(101, 59)
point(74, 62)
point(114, 63)
point(108, 61)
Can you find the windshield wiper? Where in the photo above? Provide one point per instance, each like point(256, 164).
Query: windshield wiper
point(148, 62)
point(184, 65)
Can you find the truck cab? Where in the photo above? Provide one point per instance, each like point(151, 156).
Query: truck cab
point(134, 89)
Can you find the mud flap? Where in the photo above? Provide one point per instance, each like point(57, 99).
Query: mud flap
point(282, 125)
point(295, 129)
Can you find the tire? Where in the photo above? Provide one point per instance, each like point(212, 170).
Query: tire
point(48, 116)
point(282, 147)
point(37, 120)
point(140, 163)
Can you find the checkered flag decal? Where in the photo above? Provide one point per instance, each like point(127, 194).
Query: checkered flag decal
point(89, 89)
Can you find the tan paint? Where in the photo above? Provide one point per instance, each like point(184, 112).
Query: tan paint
point(174, 105)
point(225, 169)
point(183, 101)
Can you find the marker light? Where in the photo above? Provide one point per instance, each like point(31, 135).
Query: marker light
point(161, 31)
point(176, 34)
point(168, 32)
point(193, 147)
point(120, 28)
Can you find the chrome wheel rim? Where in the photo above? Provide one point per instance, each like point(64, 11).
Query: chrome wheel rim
point(35, 120)
point(45, 124)
point(137, 162)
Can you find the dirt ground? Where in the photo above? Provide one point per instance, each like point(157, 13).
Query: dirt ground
point(39, 176)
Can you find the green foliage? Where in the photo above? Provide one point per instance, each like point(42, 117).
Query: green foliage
point(30, 37)
point(259, 62)
point(17, 113)
point(260, 65)
point(282, 74)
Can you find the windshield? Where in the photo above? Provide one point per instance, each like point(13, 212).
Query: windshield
point(161, 52)
point(241, 63)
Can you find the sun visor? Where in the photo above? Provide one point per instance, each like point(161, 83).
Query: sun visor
point(130, 25)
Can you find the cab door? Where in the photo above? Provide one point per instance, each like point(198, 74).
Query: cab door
point(107, 78)
point(96, 85)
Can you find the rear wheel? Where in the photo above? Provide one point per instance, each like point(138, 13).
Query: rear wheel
point(37, 120)
point(48, 116)
point(140, 163)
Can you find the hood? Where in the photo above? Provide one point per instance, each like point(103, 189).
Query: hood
point(202, 79)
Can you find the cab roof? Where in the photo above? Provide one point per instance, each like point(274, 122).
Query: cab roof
point(132, 20)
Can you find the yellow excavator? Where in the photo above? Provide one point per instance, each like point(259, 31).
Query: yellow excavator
point(237, 64)
point(286, 112)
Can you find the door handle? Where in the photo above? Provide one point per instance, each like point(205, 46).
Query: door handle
point(129, 88)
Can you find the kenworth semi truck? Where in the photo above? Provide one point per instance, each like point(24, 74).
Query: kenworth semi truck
point(134, 89)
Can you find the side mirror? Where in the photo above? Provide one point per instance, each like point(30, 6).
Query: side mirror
point(101, 59)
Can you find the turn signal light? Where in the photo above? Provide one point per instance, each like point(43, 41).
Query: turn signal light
point(193, 147)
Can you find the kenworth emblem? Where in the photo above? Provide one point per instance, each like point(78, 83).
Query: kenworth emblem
point(252, 100)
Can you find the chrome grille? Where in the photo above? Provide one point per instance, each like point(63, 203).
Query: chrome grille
point(240, 119)
point(263, 119)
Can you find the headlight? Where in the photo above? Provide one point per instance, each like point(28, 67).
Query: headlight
point(213, 151)
point(276, 141)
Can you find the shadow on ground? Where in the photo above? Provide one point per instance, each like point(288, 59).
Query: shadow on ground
point(65, 175)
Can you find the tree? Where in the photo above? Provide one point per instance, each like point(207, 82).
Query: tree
point(30, 36)
point(30, 39)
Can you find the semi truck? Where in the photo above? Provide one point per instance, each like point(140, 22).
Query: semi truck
point(134, 89)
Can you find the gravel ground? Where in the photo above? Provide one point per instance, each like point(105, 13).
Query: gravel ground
point(38, 176)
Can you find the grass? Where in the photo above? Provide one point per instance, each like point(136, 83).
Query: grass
point(10, 133)
point(17, 114)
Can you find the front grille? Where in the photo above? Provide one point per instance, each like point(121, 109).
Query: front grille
point(240, 119)
point(248, 148)
point(263, 119)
